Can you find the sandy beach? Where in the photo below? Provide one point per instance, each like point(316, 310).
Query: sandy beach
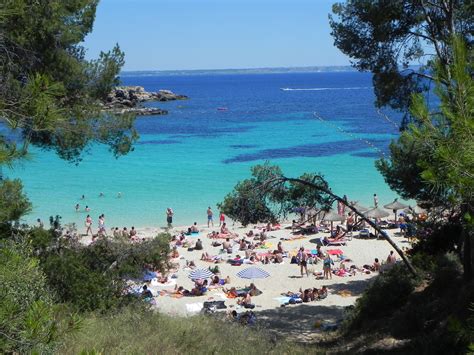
point(292, 320)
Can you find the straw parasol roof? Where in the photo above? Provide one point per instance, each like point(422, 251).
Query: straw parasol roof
point(417, 209)
point(376, 212)
point(332, 216)
point(395, 205)
point(359, 207)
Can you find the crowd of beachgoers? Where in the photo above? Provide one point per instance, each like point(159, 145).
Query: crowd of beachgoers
point(290, 263)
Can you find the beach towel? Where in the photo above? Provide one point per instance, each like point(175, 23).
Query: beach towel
point(155, 283)
point(194, 308)
point(282, 299)
point(335, 252)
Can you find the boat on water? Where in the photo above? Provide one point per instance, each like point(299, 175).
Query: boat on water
point(222, 109)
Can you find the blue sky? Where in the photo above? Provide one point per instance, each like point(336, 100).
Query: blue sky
point(216, 34)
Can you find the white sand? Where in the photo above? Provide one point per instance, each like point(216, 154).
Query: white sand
point(293, 320)
point(284, 277)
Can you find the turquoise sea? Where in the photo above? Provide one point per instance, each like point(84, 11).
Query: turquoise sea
point(190, 158)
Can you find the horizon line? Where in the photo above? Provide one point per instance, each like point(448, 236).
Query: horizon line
point(281, 68)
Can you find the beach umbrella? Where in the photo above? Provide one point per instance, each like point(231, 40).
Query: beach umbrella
point(417, 210)
point(395, 205)
point(376, 212)
point(359, 207)
point(332, 217)
point(200, 274)
point(253, 273)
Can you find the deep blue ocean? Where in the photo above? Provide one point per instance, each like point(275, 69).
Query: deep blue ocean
point(190, 158)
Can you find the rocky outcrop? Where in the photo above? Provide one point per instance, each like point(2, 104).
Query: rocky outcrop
point(139, 111)
point(128, 99)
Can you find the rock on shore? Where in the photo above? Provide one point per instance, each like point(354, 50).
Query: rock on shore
point(128, 99)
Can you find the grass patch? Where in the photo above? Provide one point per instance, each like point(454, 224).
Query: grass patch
point(139, 331)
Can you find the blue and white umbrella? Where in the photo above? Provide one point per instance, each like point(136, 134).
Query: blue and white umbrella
point(200, 274)
point(253, 273)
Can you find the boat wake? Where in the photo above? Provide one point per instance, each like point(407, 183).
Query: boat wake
point(324, 89)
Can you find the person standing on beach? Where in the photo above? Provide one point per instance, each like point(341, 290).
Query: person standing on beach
point(89, 225)
point(376, 201)
point(327, 263)
point(303, 258)
point(221, 219)
point(210, 219)
point(169, 216)
point(102, 229)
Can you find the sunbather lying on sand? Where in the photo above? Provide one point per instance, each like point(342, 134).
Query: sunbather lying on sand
point(210, 258)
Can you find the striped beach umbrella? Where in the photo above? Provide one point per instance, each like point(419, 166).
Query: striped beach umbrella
point(253, 273)
point(200, 274)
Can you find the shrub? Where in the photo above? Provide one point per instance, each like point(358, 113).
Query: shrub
point(93, 277)
point(386, 293)
point(29, 321)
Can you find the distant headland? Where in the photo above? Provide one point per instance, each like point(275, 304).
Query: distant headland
point(275, 70)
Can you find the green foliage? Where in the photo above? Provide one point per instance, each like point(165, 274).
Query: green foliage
point(246, 205)
point(385, 294)
point(49, 92)
point(387, 37)
point(13, 202)
point(433, 160)
point(137, 331)
point(266, 196)
point(93, 277)
point(29, 320)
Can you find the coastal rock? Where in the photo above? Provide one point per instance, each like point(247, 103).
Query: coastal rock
point(128, 99)
point(139, 111)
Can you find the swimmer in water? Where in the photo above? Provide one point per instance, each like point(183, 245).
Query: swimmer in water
point(101, 194)
point(87, 209)
point(77, 207)
point(119, 195)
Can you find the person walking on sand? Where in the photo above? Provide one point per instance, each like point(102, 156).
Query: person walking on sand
point(303, 258)
point(88, 224)
point(221, 219)
point(327, 263)
point(169, 216)
point(210, 219)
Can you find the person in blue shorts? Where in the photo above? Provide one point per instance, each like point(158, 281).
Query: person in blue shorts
point(210, 220)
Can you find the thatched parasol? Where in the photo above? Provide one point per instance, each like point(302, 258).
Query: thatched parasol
point(395, 205)
point(332, 217)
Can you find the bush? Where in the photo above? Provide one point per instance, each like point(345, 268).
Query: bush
point(138, 331)
point(93, 277)
point(29, 321)
point(386, 293)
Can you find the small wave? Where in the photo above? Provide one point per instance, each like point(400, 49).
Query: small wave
point(323, 89)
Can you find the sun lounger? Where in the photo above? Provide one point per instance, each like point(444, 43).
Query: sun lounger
point(334, 242)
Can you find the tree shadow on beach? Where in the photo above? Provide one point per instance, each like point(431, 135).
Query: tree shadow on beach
point(355, 287)
point(300, 321)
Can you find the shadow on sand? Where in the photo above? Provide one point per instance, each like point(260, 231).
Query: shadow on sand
point(298, 321)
